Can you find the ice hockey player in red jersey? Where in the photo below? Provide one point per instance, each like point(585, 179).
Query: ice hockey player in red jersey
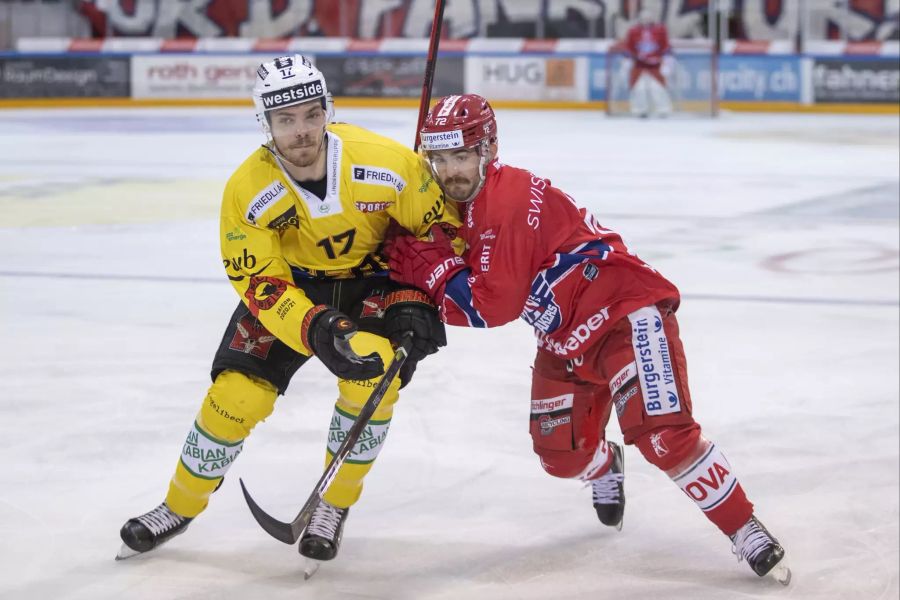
point(647, 44)
point(605, 323)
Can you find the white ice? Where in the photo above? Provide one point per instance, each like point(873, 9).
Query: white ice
point(781, 231)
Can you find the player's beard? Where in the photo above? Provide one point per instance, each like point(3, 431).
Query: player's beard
point(303, 152)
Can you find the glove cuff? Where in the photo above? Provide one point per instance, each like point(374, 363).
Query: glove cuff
point(308, 319)
point(407, 296)
point(441, 274)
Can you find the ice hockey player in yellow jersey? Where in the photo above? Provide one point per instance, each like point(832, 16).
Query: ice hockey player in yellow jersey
point(302, 223)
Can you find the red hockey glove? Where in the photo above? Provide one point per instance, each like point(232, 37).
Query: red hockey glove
point(425, 264)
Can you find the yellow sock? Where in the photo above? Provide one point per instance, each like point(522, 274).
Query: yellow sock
point(347, 486)
point(234, 405)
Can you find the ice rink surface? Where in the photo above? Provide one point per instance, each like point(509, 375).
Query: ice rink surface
point(781, 231)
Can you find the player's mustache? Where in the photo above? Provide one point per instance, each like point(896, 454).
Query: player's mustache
point(303, 142)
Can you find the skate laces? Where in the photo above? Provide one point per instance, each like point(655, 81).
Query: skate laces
point(749, 541)
point(160, 519)
point(606, 488)
point(325, 520)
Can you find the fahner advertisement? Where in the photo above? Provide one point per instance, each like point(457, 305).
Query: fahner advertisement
point(856, 80)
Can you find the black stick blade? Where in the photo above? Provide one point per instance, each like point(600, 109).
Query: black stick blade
point(283, 532)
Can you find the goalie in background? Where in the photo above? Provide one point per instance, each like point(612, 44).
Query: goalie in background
point(647, 45)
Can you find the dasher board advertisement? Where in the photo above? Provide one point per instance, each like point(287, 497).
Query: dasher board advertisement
point(389, 76)
point(856, 80)
point(194, 76)
point(64, 77)
point(528, 78)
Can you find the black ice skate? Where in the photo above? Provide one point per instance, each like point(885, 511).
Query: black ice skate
point(321, 539)
point(763, 553)
point(146, 532)
point(609, 491)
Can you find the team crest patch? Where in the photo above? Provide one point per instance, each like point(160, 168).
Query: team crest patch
point(373, 307)
point(250, 337)
point(541, 310)
point(264, 292)
point(378, 176)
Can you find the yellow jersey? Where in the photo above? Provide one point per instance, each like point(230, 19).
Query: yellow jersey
point(273, 230)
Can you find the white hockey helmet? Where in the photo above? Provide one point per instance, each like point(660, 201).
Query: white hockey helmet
point(286, 81)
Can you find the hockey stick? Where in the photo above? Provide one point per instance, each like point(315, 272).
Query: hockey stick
point(290, 532)
point(430, 62)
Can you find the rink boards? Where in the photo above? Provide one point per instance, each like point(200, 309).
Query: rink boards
point(512, 72)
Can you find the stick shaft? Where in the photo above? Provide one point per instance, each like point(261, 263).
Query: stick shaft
point(431, 61)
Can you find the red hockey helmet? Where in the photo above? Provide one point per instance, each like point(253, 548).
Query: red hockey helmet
point(458, 122)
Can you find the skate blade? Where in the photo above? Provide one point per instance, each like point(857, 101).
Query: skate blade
point(781, 573)
point(310, 567)
point(126, 552)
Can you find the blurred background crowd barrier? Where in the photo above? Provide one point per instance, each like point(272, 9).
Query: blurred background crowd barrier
point(795, 20)
point(762, 54)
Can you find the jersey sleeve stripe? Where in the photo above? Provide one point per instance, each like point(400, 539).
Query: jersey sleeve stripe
point(459, 292)
point(565, 263)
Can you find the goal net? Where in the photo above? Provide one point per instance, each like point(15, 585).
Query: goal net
point(691, 73)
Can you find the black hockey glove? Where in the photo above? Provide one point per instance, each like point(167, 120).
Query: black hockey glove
point(410, 310)
point(327, 332)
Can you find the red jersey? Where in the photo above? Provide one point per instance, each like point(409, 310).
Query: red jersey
point(647, 44)
point(533, 253)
